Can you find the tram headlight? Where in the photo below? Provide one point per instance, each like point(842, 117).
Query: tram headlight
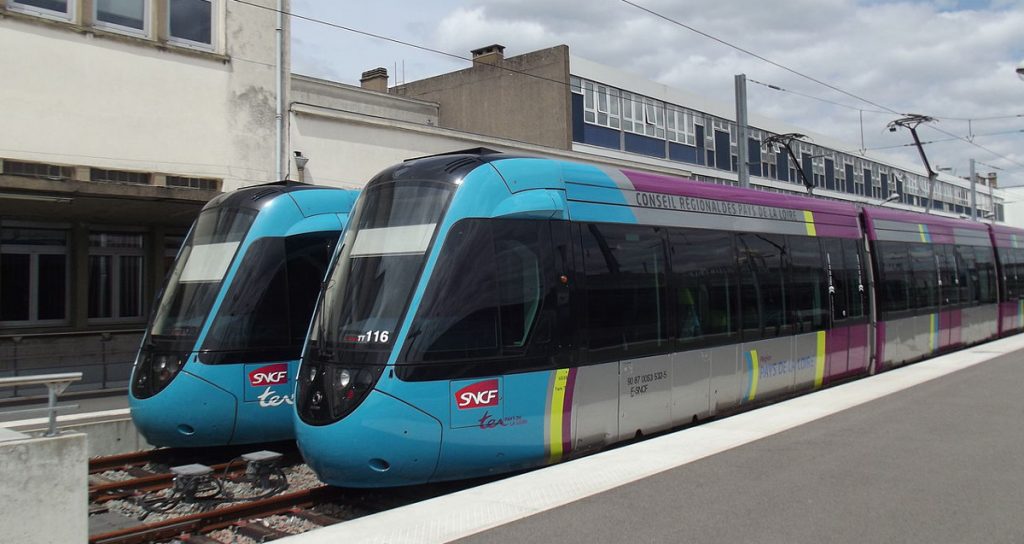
point(343, 378)
point(154, 371)
point(330, 392)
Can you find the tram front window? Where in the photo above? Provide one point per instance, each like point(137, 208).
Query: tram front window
point(266, 309)
point(369, 288)
point(198, 273)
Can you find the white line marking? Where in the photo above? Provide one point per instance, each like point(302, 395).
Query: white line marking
point(471, 511)
point(123, 412)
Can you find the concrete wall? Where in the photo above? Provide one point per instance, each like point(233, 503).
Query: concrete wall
point(43, 490)
point(1014, 206)
point(524, 98)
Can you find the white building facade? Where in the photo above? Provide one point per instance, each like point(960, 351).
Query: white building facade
point(118, 121)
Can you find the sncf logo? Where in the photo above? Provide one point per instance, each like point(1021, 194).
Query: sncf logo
point(477, 395)
point(269, 375)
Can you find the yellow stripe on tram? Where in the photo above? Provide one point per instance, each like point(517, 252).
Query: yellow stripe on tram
point(819, 361)
point(557, 407)
point(755, 371)
point(809, 223)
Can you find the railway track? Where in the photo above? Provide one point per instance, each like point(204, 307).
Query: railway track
point(156, 496)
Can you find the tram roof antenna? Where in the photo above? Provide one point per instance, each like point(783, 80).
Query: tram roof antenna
point(783, 140)
point(910, 122)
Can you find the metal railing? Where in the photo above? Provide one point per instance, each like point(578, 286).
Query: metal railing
point(55, 385)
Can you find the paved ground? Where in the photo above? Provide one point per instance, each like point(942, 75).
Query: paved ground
point(940, 462)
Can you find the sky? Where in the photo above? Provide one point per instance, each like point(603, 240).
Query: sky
point(952, 60)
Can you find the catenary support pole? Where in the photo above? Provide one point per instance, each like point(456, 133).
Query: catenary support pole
point(974, 193)
point(743, 170)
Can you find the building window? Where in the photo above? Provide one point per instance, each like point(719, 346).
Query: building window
point(189, 22)
point(118, 176)
point(680, 124)
point(172, 244)
point(601, 105)
point(54, 9)
point(115, 275)
point(33, 275)
point(205, 184)
point(642, 115)
point(37, 170)
point(123, 15)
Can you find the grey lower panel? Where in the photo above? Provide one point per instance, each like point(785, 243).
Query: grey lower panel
point(725, 377)
point(613, 401)
point(979, 323)
point(691, 384)
point(645, 395)
point(595, 407)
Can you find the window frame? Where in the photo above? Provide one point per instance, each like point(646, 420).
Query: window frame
point(144, 32)
point(34, 252)
point(118, 255)
point(215, 18)
point(70, 15)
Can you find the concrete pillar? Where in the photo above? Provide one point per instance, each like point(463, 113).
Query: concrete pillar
point(44, 497)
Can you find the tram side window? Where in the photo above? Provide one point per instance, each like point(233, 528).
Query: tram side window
point(704, 287)
point(1013, 273)
point(1010, 263)
point(1018, 268)
point(489, 294)
point(807, 284)
point(923, 275)
point(968, 274)
point(625, 289)
point(985, 289)
point(945, 255)
point(458, 317)
point(856, 278)
point(762, 296)
point(894, 277)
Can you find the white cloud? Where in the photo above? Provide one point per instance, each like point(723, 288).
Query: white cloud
point(942, 58)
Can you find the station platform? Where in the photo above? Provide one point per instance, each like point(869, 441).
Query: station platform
point(931, 452)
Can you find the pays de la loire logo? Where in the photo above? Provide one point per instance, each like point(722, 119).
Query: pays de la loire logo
point(275, 374)
point(477, 395)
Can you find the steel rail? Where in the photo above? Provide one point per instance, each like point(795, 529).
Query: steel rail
point(218, 518)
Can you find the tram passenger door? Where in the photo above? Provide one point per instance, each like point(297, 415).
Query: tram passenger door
point(838, 336)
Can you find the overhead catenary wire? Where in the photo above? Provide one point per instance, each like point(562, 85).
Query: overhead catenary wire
point(762, 58)
point(808, 77)
point(779, 88)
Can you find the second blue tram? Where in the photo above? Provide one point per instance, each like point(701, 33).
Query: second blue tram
point(218, 357)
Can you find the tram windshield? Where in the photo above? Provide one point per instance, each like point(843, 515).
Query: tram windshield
point(198, 273)
point(369, 287)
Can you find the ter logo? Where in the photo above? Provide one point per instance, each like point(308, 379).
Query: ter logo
point(477, 395)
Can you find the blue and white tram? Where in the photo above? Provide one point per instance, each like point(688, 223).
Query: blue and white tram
point(224, 340)
point(489, 313)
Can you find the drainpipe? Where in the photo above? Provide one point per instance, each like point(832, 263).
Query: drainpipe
point(279, 115)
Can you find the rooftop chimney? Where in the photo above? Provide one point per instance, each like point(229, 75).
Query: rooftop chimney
point(992, 180)
point(375, 80)
point(492, 54)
